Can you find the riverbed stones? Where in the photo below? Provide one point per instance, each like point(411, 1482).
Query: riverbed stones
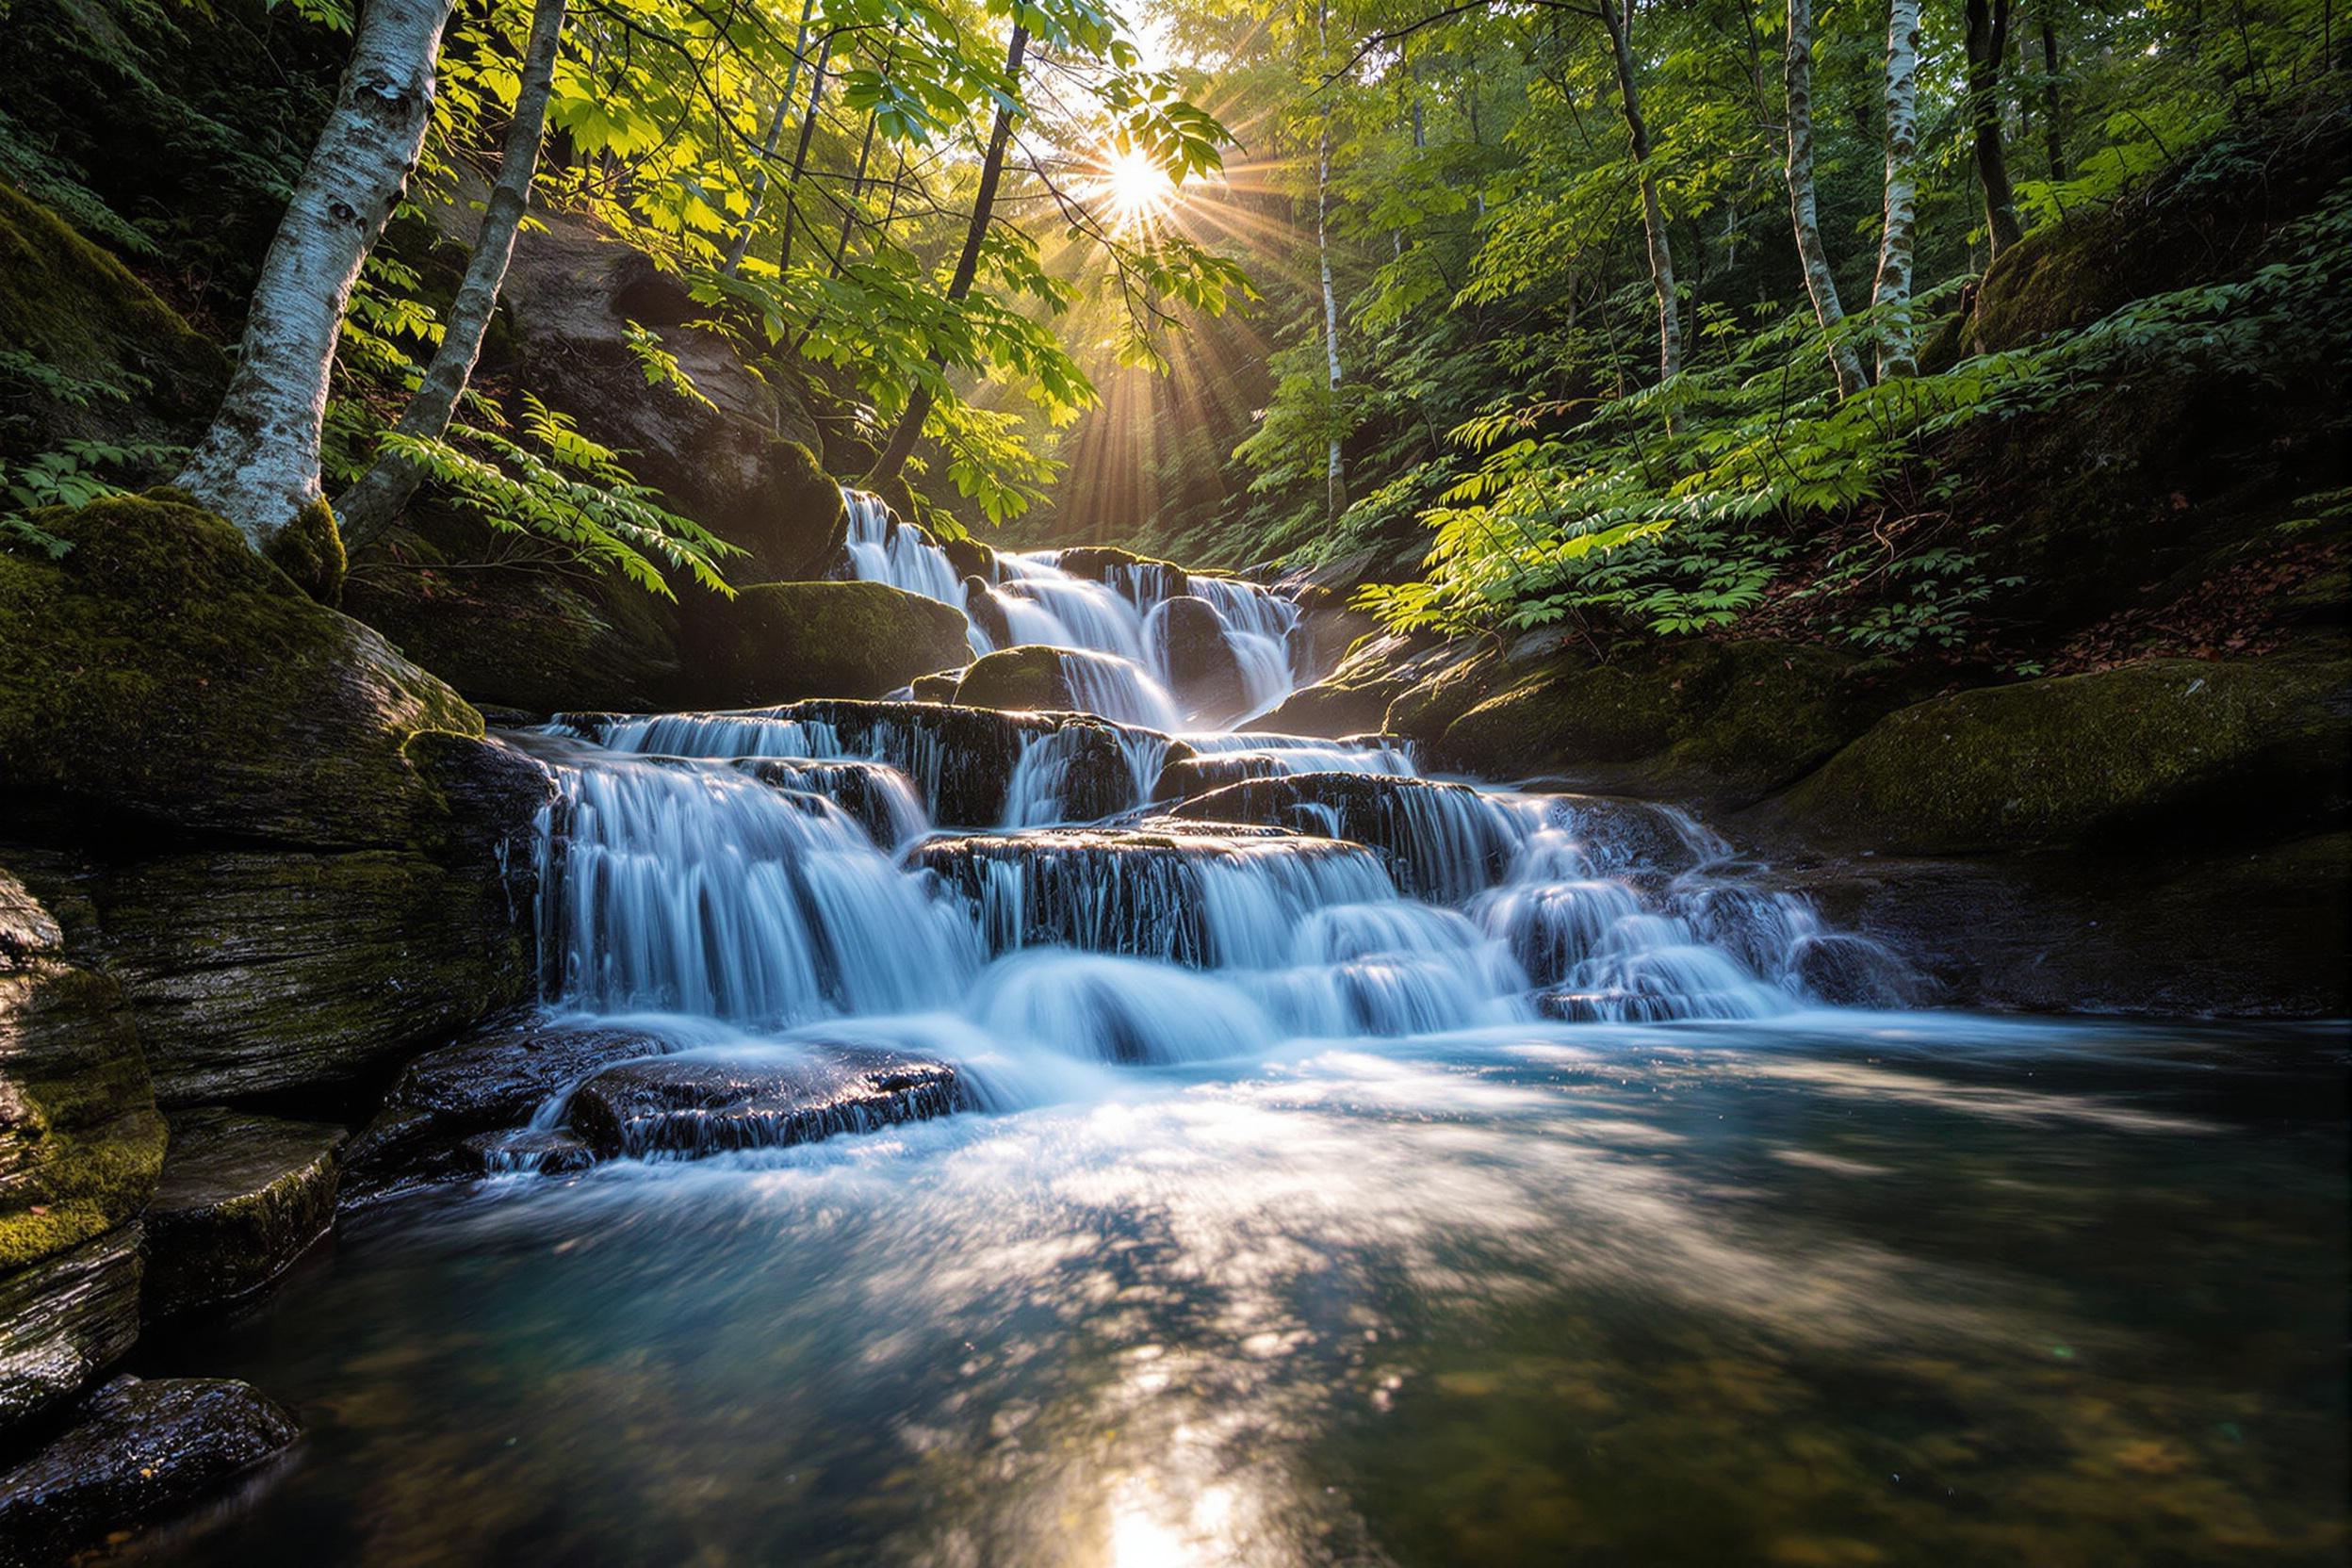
point(138, 1451)
point(489, 1084)
point(242, 1196)
point(700, 1105)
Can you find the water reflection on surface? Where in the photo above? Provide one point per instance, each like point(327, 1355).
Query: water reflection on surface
point(1852, 1290)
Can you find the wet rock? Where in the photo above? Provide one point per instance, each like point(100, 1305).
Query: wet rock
point(1567, 1005)
point(1331, 707)
point(939, 686)
point(1190, 639)
point(697, 1105)
point(80, 1140)
point(970, 558)
point(1026, 679)
point(140, 1450)
point(874, 793)
point(2092, 756)
point(489, 1084)
point(1443, 841)
point(1146, 890)
point(528, 1150)
point(776, 642)
point(986, 612)
point(257, 973)
point(65, 1319)
point(1132, 574)
point(242, 1196)
point(1187, 776)
point(1846, 971)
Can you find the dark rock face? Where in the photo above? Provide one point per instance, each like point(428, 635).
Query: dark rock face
point(873, 792)
point(139, 1451)
point(242, 1196)
point(1187, 776)
point(484, 1087)
point(778, 642)
point(2092, 756)
point(1199, 663)
point(740, 464)
point(532, 1151)
point(696, 1105)
point(1332, 708)
point(1118, 567)
point(65, 1319)
point(1443, 841)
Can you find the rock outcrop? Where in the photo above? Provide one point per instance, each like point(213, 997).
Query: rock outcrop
point(778, 642)
point(242, 1196)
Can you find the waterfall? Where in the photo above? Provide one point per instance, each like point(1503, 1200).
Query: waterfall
point(904, 908)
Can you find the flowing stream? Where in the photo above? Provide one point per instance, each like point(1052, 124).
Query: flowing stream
point(1278, 1157)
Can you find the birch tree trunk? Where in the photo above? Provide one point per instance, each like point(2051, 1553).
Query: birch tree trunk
point(909, 426)
point(1652, 211)
point(1819, 282)
point(1890, 300)
point(258, 464)
point(368, 508)
point(742, 246)
point(1987, 45)
point(1334, 465)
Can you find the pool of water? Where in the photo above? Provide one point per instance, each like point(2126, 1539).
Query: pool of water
point(1836, 1289)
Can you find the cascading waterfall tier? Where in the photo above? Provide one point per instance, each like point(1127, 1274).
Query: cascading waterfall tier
point(843, 915)
point(1147, 642)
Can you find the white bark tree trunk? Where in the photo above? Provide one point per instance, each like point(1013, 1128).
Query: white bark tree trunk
point(1334, 468)
point(369, 505)
point(258, 464)
point(1652, 210)
point(1891, 299)
point(1819, 281)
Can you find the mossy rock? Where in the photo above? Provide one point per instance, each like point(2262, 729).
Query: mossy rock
point(1025, 679)
point(162, 669)
point(1106, 562)
point(2227, 746)
point(310, 550)
point(80, 1140)
point(1728, 721)
point(1424, 709)
point(1330, 709)
point(802, 526)
point(779, 642)
point(939, 686)
point(242, 1196)
point(80, 312)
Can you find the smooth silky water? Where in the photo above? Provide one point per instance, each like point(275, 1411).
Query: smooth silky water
point(1293, 1224)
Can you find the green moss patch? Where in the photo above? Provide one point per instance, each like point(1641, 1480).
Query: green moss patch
point(1025, 679)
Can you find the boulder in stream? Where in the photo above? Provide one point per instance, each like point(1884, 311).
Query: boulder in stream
point(778, 642)
point(1443, 841)
point(1200, 665)
point(242, 1196)
point(697, 1105)
point(139, 1450)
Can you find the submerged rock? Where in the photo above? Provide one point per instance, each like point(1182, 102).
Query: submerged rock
point(528, 1150)
point(242, 1196)
point(1443, 841)
point(487, 1084)
point(776, 642)
point(696, 1105)
point(140, 1450)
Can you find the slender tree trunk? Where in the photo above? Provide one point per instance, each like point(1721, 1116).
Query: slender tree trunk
point(1335, 464)
point(1819, 282)
point(1652, 211)
point(367, 509)
point(1891, 299)
point(909, 426)
point(2053, 121)
point(1988, 45)
point(800, 152)
point(258, 464)
point(742, 246)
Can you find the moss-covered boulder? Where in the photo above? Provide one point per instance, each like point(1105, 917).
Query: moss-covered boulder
point(1025, 679)
point(1424, 708)
point(242, 1196)
point(1111, 564)
point(83, 315)
point(1331, 707)
point(799, 525)
point(162, 669)
point(778, 642)
point(939, 686)
point(2245, 745)
point(1728, 721)
point(80, 1140)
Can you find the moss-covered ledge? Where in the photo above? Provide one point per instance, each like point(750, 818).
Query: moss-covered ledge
point(162, 669)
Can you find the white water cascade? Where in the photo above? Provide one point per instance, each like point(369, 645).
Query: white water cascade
point(1143, 643)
